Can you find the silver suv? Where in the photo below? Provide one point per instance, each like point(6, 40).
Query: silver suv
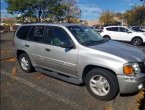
point(77, 54)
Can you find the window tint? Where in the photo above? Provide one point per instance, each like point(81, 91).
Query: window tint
point(57, 35)
point(112, 29)
point(23, 32)
point(37, 34)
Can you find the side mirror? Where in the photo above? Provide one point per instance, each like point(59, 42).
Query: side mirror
point(68, 45)
point(129, 32)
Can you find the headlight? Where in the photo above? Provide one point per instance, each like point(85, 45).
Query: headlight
point(131, 68)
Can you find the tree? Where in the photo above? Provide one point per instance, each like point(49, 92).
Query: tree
point(19, 7)
point(107, 18)
point(119, 15)
point(38, 9)
point(55, 10)
point(56, 13)
point(72, 11)
point(135, 16)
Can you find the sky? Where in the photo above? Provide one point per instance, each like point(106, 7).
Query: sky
point(91, 9)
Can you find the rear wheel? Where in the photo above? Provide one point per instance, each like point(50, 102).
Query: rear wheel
point(137, 41)
point(25, 63)
point(107, 37)
point(102, 84)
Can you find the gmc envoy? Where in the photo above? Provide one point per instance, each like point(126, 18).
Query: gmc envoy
point(77, 54)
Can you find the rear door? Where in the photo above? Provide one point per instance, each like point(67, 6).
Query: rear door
point(20, 41)
point(57, 58)
point(36, 44)
point(113, 33)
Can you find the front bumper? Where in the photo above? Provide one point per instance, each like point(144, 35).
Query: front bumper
point(131, 84)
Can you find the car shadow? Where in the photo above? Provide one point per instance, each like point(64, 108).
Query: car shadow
point(128, 94)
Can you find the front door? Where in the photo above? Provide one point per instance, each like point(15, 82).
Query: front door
point(57, 58)
point(125, 34)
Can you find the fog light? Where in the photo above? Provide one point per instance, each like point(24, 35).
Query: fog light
point(140, 87)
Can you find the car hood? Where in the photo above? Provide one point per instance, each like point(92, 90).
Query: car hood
point(139, 33)
point(125, 51)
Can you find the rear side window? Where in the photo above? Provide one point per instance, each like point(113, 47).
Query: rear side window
point(112, 29)
point(37, 34)
point(23, 32)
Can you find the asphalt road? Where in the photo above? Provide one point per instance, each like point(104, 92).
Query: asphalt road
point(36, 91)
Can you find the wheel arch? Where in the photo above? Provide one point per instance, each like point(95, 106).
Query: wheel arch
point(106, 36)
point(136, 37)
point(19, 52)
point(90, 67)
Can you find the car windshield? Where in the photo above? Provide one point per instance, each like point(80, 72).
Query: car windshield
point(85, 35)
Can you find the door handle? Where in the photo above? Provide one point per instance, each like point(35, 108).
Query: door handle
point(48, 50)
point(26, 45)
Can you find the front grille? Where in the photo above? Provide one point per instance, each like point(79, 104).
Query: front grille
point(142, 67)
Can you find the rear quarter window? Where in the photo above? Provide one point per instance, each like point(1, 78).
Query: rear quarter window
point(23, 32)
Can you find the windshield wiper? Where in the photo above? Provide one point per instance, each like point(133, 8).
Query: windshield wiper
point(89, 42)
point(92, 42)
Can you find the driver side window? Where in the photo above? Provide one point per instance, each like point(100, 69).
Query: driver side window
point(123, 29)
point(56, 36)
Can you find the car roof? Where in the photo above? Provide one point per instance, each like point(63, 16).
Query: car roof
point(51, 24)
point(113, 26)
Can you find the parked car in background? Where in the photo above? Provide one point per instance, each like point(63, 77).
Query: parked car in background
point(96, 29)
point(138, 28)
point(122, 33)
point(77, 54)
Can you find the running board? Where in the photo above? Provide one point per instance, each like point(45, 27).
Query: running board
point(59, 76)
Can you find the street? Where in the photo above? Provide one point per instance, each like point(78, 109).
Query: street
point(36, 91)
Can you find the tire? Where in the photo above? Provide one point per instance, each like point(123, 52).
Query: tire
point(107, 37)
point(25, 63)
point(137, 41)
point(102, 84)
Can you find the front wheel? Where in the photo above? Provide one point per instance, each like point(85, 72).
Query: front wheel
point(137, 41)
point(102, 84)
